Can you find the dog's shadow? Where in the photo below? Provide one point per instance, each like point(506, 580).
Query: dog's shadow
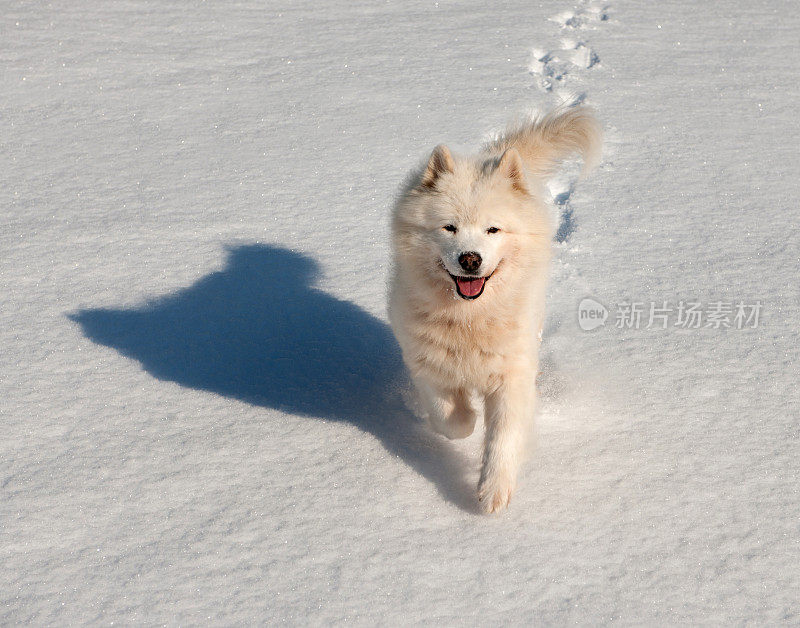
point(260, 332)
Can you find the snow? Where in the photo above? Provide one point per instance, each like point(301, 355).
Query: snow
point(202, 405)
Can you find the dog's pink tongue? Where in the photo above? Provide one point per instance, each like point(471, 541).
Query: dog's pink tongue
point(470, 287)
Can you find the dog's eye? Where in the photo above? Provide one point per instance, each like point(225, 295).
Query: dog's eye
point(492, 230)
point(450, 228)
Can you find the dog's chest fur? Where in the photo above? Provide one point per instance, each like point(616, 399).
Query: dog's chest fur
point(463, 351)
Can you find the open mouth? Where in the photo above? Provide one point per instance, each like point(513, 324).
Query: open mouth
point(470, 287)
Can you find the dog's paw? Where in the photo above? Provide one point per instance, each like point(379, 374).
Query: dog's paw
point(456, 426)
point(494, 494)
point(456, 429)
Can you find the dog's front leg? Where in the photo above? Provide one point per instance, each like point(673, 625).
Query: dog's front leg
point(509, 414)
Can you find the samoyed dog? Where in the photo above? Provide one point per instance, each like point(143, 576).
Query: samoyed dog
point(472, 242)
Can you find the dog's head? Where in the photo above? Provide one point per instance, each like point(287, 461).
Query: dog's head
point(468, 226)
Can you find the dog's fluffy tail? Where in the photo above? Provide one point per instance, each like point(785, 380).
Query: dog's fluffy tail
point(545, 141)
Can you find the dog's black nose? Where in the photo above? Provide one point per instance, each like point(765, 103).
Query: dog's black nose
point(470, 261)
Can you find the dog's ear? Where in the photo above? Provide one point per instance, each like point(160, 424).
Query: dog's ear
point(511, 168)
point(440, 162)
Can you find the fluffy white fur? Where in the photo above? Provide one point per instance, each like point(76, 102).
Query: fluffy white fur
point(469, 354)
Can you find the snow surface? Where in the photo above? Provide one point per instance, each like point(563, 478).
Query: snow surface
point(202, 405)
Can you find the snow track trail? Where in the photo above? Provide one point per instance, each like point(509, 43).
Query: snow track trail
point(557, 69)
point(561, 72)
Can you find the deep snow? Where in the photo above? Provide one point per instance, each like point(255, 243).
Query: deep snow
point(202, 405)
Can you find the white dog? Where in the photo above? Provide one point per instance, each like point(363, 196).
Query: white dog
point(472, 242)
